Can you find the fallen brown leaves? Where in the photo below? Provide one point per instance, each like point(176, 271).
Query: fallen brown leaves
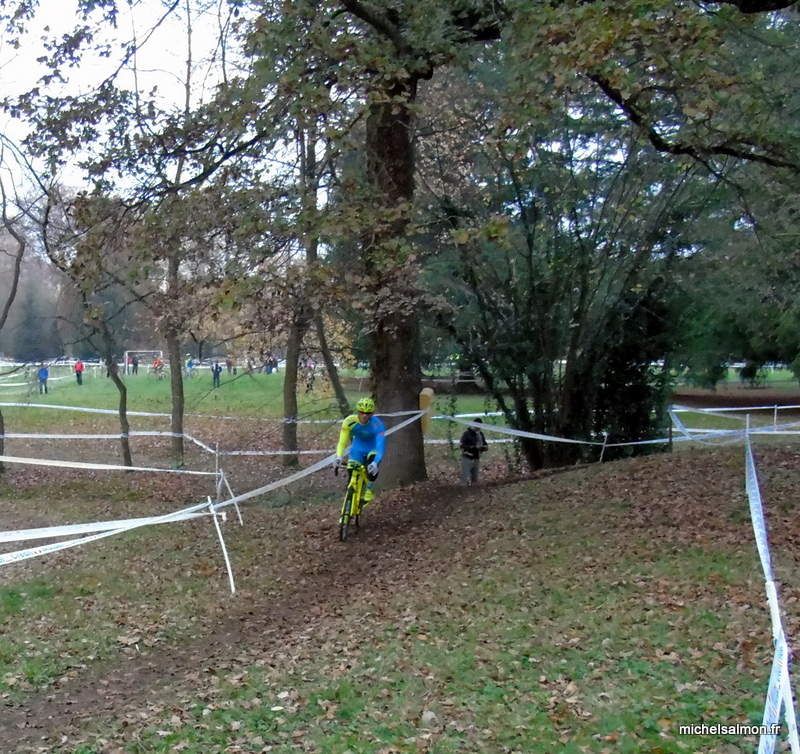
point(290, 571)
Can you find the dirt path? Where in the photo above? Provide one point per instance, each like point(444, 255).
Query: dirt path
point(737, 395)
point(403, 537)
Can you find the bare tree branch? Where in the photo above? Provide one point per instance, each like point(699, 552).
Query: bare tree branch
point(701, 154)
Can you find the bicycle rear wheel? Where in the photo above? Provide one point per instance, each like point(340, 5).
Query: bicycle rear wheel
point(344, 519)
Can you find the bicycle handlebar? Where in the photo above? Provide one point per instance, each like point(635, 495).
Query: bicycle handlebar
point(349, 464)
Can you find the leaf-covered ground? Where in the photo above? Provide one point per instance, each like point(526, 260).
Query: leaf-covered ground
point(594, 609)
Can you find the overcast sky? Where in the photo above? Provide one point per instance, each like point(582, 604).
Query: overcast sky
point(160, 62)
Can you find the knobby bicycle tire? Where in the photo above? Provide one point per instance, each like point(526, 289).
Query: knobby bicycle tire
point(347, 509)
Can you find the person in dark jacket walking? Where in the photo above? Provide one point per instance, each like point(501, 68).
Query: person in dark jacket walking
point(473, 445)
point(216, 371)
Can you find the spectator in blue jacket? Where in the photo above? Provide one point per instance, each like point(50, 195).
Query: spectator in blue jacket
point(43, 374)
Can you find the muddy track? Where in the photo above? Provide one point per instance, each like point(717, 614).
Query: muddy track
point(736, 396)
point(398, 540)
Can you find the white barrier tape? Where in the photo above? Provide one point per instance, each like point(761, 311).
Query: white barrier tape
point(520, 433)
point(31, 436)
point(783, 428)
point(772, 703)
point(703, 436)
point(413, 416)
point(757, 511)
point(709, 412)
point(154, 433)
point(224, 479)
point(779, 691)
point(32, 552)
point(222, 544)
point(98, 466)
point(18, 555)
point(774, 609)
point(68, 530)
point(200, 444)
point(278, 483)
point(773, 429)
point(553, 438)
point(209, 449)
point(67, 436)
point(713, 431)
point(291, 420)
point(707, 434)
point(657, 441)
point(255, 452)
point(678, 424)
point(84, 409)
point(455, 442)
point(272, 452)
point(739, 409)
point(760, 428)
point(468, 416)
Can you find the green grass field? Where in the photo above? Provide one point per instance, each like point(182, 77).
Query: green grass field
point(253, 396)
point(245, 394)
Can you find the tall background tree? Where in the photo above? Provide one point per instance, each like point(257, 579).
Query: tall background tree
point(593, 106)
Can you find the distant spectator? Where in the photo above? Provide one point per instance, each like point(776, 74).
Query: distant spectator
point(216, 371)
point(43, 374)
point(158, 367)
point(229, 365)
point(473, 445)
point(135, 365)
point(79, 371)
point(189, 366)
point(308, 368)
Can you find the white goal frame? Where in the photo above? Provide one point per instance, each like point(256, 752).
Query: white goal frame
point(153, 353)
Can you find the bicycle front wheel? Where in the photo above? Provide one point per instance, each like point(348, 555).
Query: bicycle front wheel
point(347, 511)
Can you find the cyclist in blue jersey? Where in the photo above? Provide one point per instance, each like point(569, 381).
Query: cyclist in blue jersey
point(365, 435)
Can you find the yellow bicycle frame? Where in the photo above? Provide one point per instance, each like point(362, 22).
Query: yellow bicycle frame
point(357, 483)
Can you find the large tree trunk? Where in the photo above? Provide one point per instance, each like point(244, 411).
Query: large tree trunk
point(176, 389)
point(125, 444)
point(396, 371)
point(395, 344)
point(330, 366)
point(294, 343)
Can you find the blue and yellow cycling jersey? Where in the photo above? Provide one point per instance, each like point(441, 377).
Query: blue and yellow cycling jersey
point(365, 438)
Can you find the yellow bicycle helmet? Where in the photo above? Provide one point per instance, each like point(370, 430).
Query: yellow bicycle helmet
point(366, 405)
